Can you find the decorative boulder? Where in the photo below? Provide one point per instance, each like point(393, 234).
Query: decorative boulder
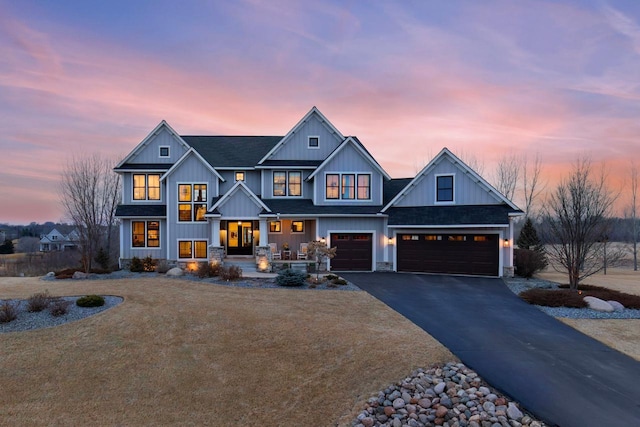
point(79, 275)
point(616, 305)
point(598, 305)
point(175, 272)
point(50, 274)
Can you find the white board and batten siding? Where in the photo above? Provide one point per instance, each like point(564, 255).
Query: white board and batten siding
point(127, 249)
point(151, 152)
point(375, 226)
point(297, 145)
point(466, 190)
point(240, 206)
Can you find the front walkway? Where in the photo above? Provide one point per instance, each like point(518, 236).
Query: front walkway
point(562, 376)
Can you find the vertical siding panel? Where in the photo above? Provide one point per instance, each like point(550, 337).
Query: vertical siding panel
point(297, 146)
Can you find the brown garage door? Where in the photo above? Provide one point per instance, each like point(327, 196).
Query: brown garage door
point(354, 251)
point(475, 254)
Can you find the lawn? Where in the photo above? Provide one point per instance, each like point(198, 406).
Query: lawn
point(185, 353)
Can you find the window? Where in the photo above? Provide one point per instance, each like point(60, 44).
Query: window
point(457, 238)
point(192, 202)
point(297, 226)
point(348, 186)
point(192, 249)
point(146, 187)
point(275, 227)
point(145, 234)
point(314, 142)
point(164, 151)
point(444, 191)
point(239, 176)
point(287, 183)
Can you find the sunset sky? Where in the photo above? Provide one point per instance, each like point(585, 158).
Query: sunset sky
point(557, 78)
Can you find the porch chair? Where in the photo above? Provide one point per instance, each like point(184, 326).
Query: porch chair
point(275, 253)
point(302, 253)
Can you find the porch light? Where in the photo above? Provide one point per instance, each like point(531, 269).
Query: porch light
point(239, 223)
point(506, 243)
point(390, 240)
point(323, 240)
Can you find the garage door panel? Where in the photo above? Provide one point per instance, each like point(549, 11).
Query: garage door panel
point(354, 251)
point(449, 253)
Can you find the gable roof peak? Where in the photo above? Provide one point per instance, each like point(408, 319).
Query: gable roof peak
point(162, 125)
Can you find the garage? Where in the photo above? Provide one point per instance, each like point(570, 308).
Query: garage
point(473, 254)
point(354, 251)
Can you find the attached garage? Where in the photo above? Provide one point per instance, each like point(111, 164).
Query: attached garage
point(473, 254)
point(354, 251)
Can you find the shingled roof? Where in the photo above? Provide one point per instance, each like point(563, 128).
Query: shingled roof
point(451, 215)
point(232, 151)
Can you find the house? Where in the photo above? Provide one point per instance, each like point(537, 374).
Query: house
point(197, 198)
point(60, 238)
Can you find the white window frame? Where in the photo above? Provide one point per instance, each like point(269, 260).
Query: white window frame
point(168, 151)
point(193, 244)
point(355, 198)
point(453, 189)
point(311, 147)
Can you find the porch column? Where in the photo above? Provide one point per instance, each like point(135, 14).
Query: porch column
point(215, 232)
point(264, 230)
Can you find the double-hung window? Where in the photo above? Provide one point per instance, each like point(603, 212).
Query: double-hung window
point(145, 234)
point(287, 183)
point(348, 186)
point(192, 202)
point(192, 249)
point(444, 188)
point(146, 186)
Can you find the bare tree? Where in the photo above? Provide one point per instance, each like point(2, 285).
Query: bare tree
point(507, 174)
point(532, 187)
point(632, 212)
point(90, 192)
point(578, 216)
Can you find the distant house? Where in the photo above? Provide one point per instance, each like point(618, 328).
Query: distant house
point(60, 238)
point(199, 198)
point(3, 236)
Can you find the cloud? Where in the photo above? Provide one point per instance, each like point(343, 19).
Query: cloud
point(624, 25)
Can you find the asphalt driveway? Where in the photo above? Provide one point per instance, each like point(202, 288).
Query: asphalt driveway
point(559, 374)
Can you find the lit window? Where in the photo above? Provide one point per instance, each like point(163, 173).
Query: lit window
point(275, 227)
point(444, 188)
point(192, 200)
point(297, 226)
point(314, 142)
point(348, 186)
point(164, 151)
point(145, 234)
point(287, 183)
point(192, 249)
point(146, 187)
point(239, 176)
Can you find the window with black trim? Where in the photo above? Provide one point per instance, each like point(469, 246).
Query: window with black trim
point(444, 188)
point(146, 186)
point(145, 234)
point(164, 151)
point(192, 249)
point(314, 142)
point(348, 186)
point(239, 176)
point(192, 202)
point(287, 183)
point(297, 226)
point(275, 227)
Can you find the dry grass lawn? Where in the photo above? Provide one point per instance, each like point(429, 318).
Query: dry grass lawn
point(185, 353)
point(623, 335)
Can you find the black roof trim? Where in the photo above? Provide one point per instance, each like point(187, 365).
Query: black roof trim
point(450, 215)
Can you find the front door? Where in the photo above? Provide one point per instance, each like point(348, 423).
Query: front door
point(240, 238)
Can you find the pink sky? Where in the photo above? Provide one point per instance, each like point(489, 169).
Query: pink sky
point(559, 79)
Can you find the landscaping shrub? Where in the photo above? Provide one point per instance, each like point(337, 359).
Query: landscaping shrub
point(208, 270)
point(136, 265)
point(59, 307)
point(331, 277)
point(290, 278)
point(90, 301)
point(338, 281)
point(102, 258)
point(38, 302)
point(8, 311)
point(66, 273)
point(162, 266)
point(528, 262)
point(149, 264)
point(564, 297)
point(628, 300)
point(232, 272)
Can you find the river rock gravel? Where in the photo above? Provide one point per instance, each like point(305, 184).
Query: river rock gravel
point(452, 395)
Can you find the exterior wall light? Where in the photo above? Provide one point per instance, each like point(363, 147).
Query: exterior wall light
point(506, 243)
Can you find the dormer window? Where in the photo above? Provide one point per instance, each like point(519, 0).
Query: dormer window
point(444, 188)
point(239, 176)
point(164, 151)
point(314, 142)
